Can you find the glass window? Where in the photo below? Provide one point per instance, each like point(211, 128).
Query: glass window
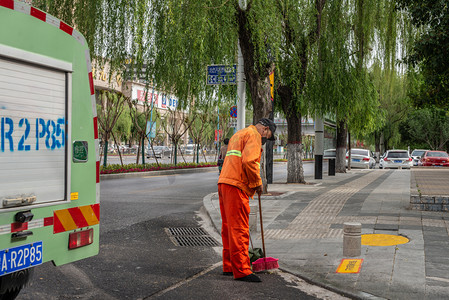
point(403, 154)
point(359, 152)
point(437, 154)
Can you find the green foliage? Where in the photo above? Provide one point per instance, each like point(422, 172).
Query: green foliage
point(338, 81)
point(430, 50)
point(122, 128)
point(428, 126)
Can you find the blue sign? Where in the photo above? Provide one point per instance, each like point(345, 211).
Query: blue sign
point(151, 129)
point(221, 74)
point(233, 111)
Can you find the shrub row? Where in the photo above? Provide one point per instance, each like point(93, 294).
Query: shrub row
point(117, 168)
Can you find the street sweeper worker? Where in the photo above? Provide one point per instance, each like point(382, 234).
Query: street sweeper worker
point(239, 180)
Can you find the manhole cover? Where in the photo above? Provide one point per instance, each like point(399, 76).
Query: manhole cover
point(190, 237)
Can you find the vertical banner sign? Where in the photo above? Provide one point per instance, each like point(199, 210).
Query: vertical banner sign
point(151, 129)
point(272, 85)
point(216, 134)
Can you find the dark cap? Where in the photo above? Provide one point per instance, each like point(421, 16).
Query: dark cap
point(271, 125)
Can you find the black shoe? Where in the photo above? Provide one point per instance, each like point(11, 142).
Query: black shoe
point(228, 273)
point(250, 278)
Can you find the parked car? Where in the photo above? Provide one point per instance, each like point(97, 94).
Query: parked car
point(361, 158)
point(329, 153)
point(159, 152)
point(416, 155)
point(396, 159)
point(434, 158)
point(190, 148)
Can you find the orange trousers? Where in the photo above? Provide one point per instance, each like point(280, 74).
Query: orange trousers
point(234, 207)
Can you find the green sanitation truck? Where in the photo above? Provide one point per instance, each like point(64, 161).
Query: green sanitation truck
point(49, 149)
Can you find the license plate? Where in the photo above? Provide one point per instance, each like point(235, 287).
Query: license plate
point(21, 257)
point(356, 160)
point(398, 161)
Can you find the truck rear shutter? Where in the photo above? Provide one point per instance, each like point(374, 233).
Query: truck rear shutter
point(33, 132)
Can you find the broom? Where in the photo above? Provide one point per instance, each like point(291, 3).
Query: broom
point(264, 263)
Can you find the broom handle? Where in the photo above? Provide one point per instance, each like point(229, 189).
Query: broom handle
point(261, 227)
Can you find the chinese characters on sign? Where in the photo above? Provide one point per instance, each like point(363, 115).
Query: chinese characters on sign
point(221, 74)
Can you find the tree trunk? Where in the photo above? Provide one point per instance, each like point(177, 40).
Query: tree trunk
point(257, 77)
point(349, 149)
point(295, 170)
point(340, 164)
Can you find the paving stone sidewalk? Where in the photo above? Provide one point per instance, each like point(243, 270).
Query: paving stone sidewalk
point(303, 226)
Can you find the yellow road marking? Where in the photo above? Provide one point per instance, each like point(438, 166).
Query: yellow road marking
point(350, 265)
point(383, 240)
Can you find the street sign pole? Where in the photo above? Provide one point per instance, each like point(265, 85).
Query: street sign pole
point(241, 95)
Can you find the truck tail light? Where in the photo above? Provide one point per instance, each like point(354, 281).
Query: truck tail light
point(81, 238)
point(347, 157)
point(366, 159)
point(385, 159)
point(410, 159)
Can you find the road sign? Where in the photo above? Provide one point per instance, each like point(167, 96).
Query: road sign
point(233, 111)
point(221, 74)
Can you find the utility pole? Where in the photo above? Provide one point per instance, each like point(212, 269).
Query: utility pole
point(241, 86)
point(241, 95)
point(319, 147)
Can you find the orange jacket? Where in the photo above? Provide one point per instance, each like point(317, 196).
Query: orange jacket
point(241, 167)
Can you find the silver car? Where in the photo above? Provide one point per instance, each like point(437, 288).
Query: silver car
point(397, 159)
point(159, 152)
point(416, 155)
point(361, 158)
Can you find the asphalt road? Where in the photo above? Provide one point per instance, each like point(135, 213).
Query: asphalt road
point(138, 260)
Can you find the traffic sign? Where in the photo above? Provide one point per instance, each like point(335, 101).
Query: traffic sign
point(221, 74)
point(233, 111)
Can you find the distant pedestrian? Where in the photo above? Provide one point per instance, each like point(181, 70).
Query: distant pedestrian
point(239, 180)
point(222, 155)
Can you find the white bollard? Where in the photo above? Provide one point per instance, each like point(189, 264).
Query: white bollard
point(352, 239)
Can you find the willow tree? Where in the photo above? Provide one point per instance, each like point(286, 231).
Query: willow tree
point(301, 28)
point(189, 35)
point(340, 83)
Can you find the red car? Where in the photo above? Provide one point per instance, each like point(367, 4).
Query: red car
point(434, 158)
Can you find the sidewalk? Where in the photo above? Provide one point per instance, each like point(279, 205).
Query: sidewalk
point(303, 227)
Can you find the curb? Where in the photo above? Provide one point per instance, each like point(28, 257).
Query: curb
point(158, 173)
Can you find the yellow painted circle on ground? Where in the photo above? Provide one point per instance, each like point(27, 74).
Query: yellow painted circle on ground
point(383, 240)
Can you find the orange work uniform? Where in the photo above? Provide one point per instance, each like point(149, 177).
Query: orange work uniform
point(238, 178)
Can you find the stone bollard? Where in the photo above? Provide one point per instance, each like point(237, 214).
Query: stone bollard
point(352, 239)
point(253, 213)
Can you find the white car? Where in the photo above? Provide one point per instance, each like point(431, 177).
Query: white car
point(416, 155)
point(396, 159)
point(361, 158)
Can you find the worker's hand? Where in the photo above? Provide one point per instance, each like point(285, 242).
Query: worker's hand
point(259, 190)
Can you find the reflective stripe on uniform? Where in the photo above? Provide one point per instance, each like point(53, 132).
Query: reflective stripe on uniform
point(258, 164)
point(234, 152)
